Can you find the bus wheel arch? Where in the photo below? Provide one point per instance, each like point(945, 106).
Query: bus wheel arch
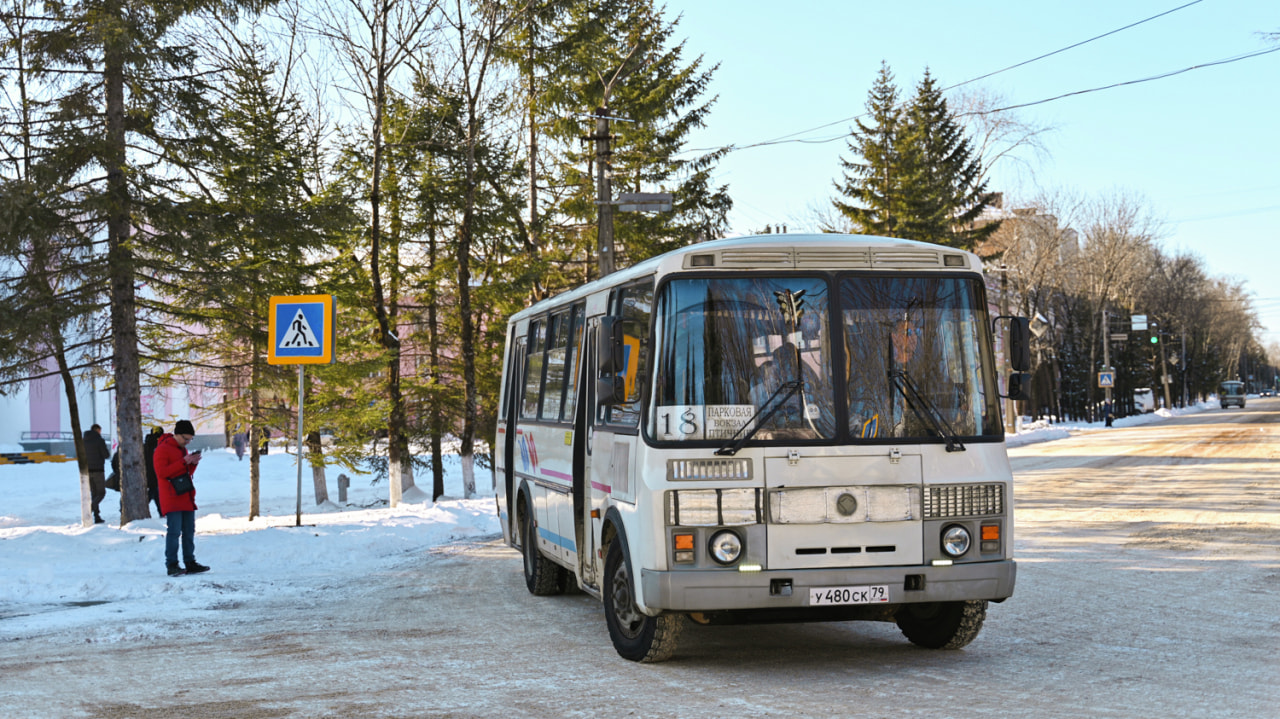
point(636, 636)
point(542, 576)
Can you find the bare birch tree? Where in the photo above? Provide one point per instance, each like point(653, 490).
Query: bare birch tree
point(376, 40)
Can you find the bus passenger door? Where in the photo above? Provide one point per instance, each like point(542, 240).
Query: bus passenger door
point(585, 498)
point(508, 426)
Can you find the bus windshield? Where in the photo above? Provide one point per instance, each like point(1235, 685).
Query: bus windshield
point(769, 355)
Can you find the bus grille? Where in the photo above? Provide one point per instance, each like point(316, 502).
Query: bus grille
point(708, 469)
point(949, 501)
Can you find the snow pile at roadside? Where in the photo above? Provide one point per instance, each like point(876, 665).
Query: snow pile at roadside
point(1045, 431)
point(50, 564)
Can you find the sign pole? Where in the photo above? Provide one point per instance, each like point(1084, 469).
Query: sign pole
point(300, 385)
point(300, 329)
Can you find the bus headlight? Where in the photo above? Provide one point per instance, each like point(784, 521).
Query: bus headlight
point(725, 546)
point(956, 540)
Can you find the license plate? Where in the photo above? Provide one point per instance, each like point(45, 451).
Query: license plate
point(873, 594)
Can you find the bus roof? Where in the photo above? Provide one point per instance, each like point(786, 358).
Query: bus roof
point(784, 252)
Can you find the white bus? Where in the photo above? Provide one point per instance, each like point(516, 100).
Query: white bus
point(761, 429)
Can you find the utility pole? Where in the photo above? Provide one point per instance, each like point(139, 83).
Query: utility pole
point(1164, 369)
point(1106, 351)
point(1183, 364)
point(604, 194)
point(1010, 407)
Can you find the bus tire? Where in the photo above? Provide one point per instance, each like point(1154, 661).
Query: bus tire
point(636, 636)
point(541, 575)
point(942, 625)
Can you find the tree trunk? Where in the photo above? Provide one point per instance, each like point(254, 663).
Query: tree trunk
point(437, 383)
point(315, 455)
point(467, 449)
point(255, 439)
point(124, 328)
point(73, 410)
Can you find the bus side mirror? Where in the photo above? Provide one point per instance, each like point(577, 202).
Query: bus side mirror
point(609, 350)
point(610, 362)
point(1019, 347)
point(1019, 386)
point(609, 390)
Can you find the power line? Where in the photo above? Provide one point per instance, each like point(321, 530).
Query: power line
point(1161, 76)
point(787, 138)
point(1070, 47)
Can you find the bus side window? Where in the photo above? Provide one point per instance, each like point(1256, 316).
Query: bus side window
point(573, 362)
point(634, 304)
point(533, 370)
point(556, 359)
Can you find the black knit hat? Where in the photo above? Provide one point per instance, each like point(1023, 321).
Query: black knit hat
point(184, 427)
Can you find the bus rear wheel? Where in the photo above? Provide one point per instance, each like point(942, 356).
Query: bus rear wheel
point(942, 625)
point(541, 575)
point(636, 635)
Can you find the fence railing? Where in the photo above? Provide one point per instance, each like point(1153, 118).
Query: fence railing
point(54, 436)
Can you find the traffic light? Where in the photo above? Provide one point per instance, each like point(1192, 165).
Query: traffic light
point(1155, 339)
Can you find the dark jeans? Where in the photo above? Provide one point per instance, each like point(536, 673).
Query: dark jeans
point(184, 524)
point(97, 488)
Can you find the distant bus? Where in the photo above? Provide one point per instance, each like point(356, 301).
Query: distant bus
point(761, 429)
point(1230, 393)
point(1144, 400)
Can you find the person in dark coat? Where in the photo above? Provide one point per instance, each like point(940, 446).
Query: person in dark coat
point(96, 455)
point(148, 457)
point(172, 460)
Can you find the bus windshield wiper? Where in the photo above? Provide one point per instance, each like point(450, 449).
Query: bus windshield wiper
point(735, 442)
point(925, 409)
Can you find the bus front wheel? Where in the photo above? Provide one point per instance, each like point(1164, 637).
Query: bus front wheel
point(636, 636)
point(942, 625)
point(541, 575)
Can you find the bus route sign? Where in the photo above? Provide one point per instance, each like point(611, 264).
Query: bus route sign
point(300, 330)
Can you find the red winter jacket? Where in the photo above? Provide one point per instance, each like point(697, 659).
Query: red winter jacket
point(169, 464)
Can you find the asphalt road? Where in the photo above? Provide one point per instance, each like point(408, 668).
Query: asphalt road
point(1148, 585)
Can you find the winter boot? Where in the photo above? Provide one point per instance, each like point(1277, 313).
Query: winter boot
point(175, 570)
point(194, 567)
point(97, 518)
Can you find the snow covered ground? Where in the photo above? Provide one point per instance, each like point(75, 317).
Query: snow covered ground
point(1042, 431)
point(114, 577)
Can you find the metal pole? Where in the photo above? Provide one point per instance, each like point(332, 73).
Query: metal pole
point(1106, 351)
point(1010, 421)
point(298, 522)
point(604, 195)
point(1183, 365)
point(1164, 369)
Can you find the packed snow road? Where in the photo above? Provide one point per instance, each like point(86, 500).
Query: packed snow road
point(1148, 585)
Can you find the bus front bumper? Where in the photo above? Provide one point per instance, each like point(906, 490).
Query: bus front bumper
point(717, 590)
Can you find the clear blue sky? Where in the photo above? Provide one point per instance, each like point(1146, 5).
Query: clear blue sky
point(1201, 148)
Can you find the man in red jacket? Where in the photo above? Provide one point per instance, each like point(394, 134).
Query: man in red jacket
point(172, 460)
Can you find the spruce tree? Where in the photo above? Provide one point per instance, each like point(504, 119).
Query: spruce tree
point(621, 54)
point(874, 189)
point(255, 232)
point(120, 89)
point(942, 177)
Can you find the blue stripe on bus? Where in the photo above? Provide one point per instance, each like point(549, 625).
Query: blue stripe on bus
point(557, 539)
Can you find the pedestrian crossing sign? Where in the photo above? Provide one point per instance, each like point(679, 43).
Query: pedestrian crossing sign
point(300, 330)
point(1106, 379)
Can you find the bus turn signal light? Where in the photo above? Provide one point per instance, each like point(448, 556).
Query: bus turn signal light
point(990, 538)
point(684, 542)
